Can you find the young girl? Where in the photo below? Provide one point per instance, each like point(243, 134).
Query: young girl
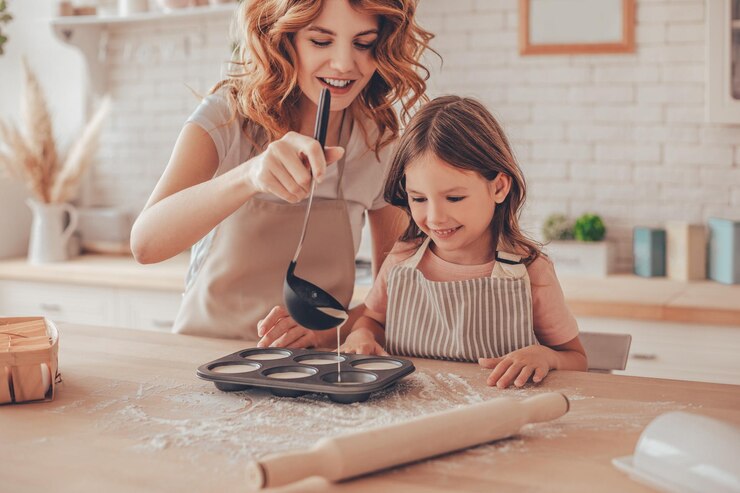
point(463, 283)
point(241, 168)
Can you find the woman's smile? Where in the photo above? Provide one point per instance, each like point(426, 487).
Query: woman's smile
point(337, 87)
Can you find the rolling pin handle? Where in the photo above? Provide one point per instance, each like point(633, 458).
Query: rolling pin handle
point(545, 407)
point(281, 469)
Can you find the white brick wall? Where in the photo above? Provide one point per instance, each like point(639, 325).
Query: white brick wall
point(620, 135)
point(153, 70)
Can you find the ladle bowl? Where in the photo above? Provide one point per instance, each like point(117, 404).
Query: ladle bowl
point(305, 300)
point(307, 303)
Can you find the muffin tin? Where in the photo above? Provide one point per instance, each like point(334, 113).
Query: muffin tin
point(295, 372)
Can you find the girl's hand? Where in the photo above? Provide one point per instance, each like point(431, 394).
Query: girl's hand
point(284, 169)
point(518, 366)
point(278, 329)
point(362, 341)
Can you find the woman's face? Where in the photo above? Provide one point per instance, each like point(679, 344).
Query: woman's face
point(336, 51)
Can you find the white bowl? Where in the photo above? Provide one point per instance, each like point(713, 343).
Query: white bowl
point(686, 453)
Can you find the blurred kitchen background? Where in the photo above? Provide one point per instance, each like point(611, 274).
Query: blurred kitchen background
point(647, 137)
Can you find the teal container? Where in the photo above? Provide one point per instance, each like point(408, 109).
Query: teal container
point(724, 251)
point(648, 247)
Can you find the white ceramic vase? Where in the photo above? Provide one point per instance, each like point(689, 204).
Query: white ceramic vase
point(49, 235)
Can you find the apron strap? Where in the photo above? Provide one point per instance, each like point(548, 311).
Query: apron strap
point(511, 265)
point(414, 260)
point(344, 134)
point(508, 258)
point(508, 265)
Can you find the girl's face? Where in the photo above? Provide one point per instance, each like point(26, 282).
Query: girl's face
point(336, 51)
point(454, 207)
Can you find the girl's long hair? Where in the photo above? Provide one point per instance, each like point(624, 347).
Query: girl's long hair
point(264, 82)
point(464, 134)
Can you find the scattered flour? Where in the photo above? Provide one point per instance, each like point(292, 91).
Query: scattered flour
point(243, 425)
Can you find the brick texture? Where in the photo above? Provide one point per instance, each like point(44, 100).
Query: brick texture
point(620, 135)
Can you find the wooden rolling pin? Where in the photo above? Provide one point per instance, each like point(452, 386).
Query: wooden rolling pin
point(363, 452)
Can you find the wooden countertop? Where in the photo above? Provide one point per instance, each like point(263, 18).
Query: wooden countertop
point(131, 416)
point(619, 296)
point(118, 271)
point(629, 296)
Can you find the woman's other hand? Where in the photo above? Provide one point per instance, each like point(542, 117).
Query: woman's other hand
point(284, 169)
point(278, 329)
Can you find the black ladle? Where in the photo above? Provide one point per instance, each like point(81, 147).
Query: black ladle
point(308, 304)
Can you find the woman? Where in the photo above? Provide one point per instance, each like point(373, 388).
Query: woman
point(237, 180)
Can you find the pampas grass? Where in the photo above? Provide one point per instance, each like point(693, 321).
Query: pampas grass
point(30, 155)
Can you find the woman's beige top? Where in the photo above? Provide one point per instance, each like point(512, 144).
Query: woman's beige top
point(364, 173)
point(237, 270)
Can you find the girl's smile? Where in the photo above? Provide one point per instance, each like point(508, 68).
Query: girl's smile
point(445, 233)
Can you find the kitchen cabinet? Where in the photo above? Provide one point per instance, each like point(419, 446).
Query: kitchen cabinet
point(678, 351)
point(723, 61)
point(93, 305)
point(81, 304)
point(149, 310)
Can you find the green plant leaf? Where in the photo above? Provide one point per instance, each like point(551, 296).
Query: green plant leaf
point(557, 227)
point(589, 227)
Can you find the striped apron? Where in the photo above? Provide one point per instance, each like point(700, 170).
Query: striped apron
point(459, 320)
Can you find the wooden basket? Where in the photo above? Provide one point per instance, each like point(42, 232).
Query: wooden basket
point(29, 349)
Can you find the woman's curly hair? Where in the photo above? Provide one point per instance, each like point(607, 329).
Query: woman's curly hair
point(264, 85)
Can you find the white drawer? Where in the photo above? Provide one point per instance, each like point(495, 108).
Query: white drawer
point(149, 309)
point(673, 350)
point(59, 302)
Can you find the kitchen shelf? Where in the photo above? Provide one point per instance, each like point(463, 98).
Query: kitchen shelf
point(89, 34)
point(97, 20)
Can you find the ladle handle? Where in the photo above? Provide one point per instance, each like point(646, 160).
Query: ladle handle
point(319, 133)
point(305, 220)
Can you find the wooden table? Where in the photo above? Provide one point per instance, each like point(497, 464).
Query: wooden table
point(131, 416)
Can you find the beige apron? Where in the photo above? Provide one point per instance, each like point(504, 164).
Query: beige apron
point(239, 277)
point(459, 320)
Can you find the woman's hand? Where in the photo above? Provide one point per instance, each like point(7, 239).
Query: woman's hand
point(362, 341)
point(518, 366)
point(284, 169)
point(278, 329)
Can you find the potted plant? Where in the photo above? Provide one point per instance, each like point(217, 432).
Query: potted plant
point(579, 248)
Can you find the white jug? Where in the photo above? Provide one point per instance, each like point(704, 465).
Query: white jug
point(49, 237)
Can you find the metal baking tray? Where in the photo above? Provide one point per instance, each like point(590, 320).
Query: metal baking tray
point(295, 372)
